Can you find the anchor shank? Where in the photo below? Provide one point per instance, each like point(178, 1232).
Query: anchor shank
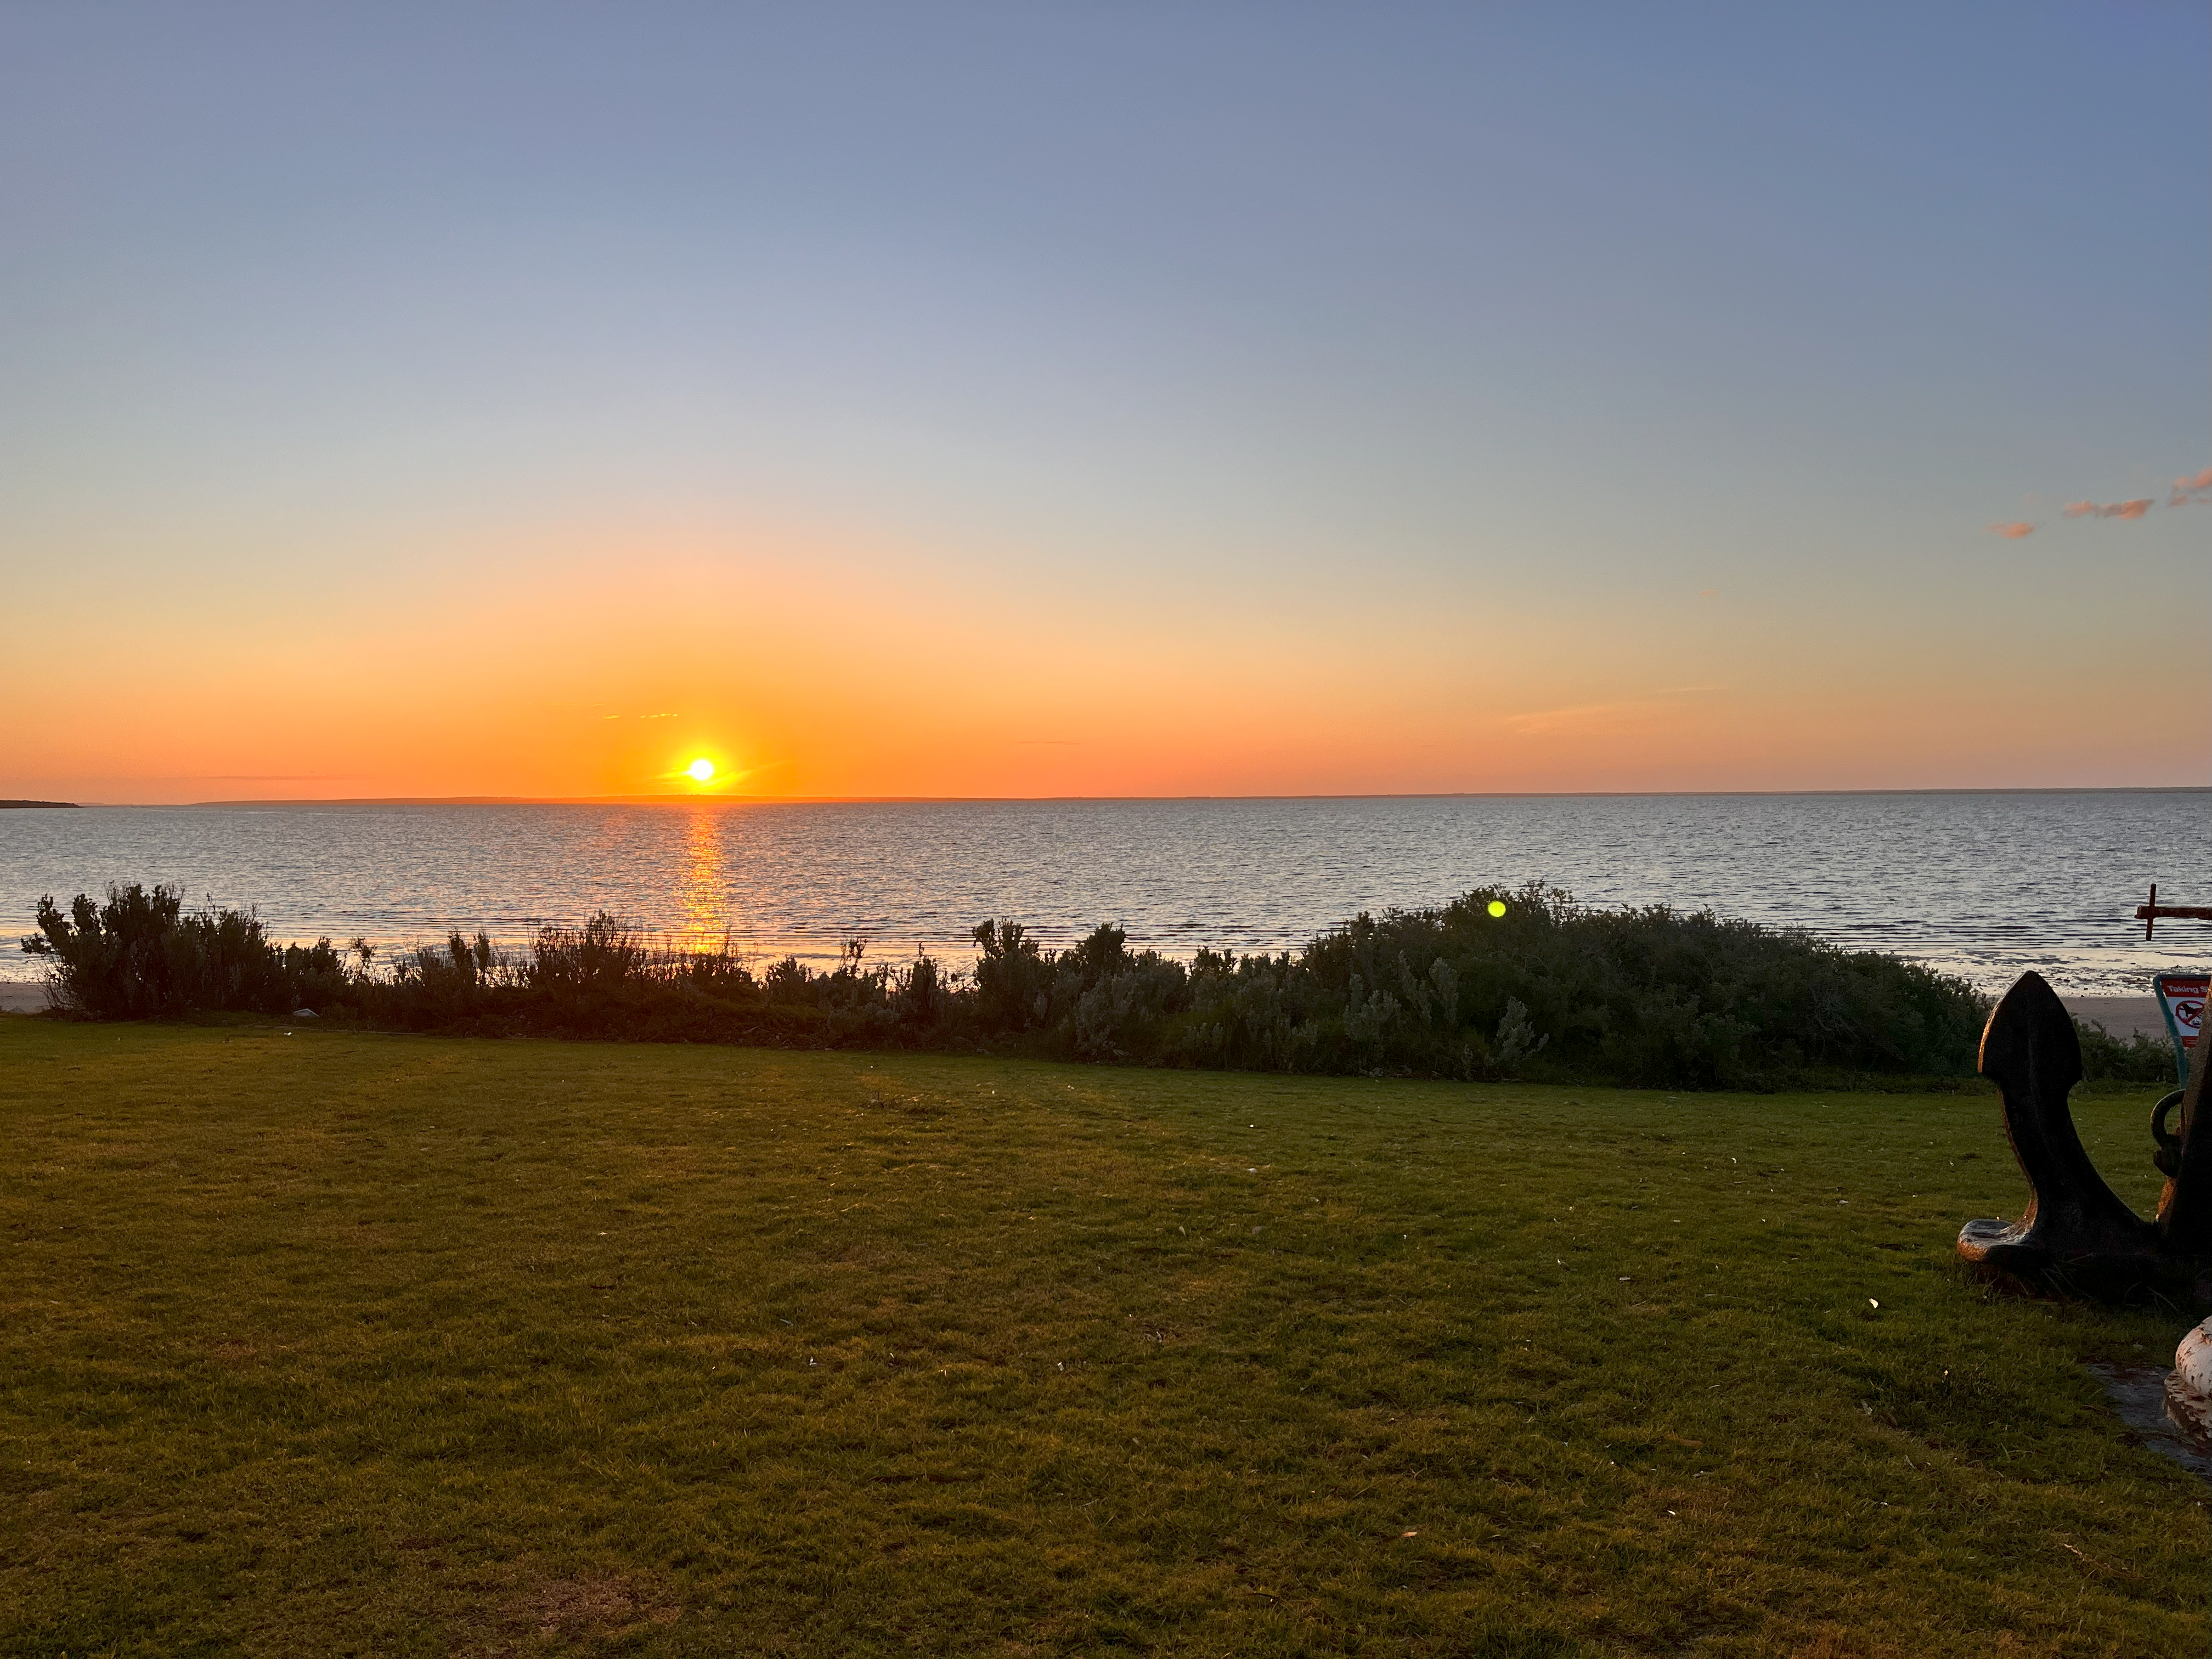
point(2030, 1051)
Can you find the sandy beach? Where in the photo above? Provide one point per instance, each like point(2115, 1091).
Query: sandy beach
point(2123, 1017)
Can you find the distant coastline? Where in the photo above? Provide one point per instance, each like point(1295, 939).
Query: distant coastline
point(70, 804)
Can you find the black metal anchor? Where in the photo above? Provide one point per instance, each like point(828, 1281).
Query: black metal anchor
point(2073, 1219)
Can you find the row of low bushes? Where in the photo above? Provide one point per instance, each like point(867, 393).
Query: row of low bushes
point(1497, 983)
point(2130, 1059)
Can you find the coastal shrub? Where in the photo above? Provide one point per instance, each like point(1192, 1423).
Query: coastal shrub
point(1013, 981)
point(1502, 981)
point(1498, 983)
point(140, 955)
point(2130, 1059)
point(430, 987)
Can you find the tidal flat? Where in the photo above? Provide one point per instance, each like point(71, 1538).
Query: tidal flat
point(331, 1342)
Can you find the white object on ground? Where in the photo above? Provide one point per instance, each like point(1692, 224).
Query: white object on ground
point(2189, 1385)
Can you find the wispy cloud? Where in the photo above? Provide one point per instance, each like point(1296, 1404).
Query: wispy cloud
point(2194, 488)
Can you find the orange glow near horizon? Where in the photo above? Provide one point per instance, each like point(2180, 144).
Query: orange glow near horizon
point(854, 669)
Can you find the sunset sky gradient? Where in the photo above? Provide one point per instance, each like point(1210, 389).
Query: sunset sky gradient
point(1086, 399)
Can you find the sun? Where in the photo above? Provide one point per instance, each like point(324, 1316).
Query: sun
point(701, 770)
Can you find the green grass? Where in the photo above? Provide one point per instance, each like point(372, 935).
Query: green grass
point(337, 1344)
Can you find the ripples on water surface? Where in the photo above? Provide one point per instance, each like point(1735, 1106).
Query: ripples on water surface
point(1982, 885)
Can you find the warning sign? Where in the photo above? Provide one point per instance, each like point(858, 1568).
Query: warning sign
point(2182, 998)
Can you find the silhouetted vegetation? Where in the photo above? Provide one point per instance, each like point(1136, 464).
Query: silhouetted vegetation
point(142, 955)
point(1496, 984)
point(2130, 1059)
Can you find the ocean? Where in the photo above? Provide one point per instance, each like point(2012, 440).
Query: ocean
point(1980, 884)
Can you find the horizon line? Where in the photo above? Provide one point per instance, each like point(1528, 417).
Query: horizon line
point(694, 800)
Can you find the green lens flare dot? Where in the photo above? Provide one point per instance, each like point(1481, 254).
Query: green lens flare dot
point(1497, 907)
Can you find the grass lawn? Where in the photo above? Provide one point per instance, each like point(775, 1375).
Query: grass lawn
point(331, 1344)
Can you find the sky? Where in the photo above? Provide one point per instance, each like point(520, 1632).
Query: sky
point(1088, 399)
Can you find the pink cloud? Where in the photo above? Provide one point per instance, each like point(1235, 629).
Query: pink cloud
point(2185, 490)
point(2134, 509)
point(2012, 530)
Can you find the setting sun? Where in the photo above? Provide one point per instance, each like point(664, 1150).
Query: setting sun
point(701, 770)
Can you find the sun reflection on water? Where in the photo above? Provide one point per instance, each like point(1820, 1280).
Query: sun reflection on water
point(703, 900)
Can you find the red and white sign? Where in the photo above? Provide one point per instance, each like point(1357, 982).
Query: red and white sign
point(2184, 996)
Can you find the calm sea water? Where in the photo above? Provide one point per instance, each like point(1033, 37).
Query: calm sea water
point(1981, 884)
